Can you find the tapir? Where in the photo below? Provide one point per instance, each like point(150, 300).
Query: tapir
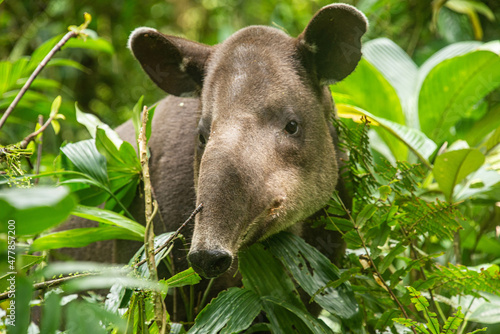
point(246, 130)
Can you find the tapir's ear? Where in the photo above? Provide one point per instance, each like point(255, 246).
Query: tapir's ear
point(333, 37)
point(175, 64)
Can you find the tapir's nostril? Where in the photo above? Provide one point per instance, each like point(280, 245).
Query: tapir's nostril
point(210, 263)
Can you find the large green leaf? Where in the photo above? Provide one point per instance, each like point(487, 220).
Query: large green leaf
point(110, 218)
point(454, 86)
point(21, 303)
point(34, 210)
point(263, 274)
point(415, 140)
point(312, 270)
point(186, 277)
point(80, 237)
point(51, 313)
point(87, 160)
point(231, 312)
point(396, 66)
point(367, 89)
point(452, 167)
point(316, 326)
point(91, 122)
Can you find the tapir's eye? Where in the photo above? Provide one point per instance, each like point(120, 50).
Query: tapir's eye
point(292, 127)
point(202, 140)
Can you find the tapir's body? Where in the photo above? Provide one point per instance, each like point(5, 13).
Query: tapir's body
point(255, 144)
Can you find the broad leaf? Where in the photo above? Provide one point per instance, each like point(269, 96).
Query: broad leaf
point(34, 210)
point(454, 86)
point(381, 100)
point(263, 274)
point(452, 167)
point(109, 217)
point(91, 122)
point(87, 160)
point(313, 271)
point(186, 277)
point(80, 237)
point(396, 66)
point(231, 312)
point(415, 140)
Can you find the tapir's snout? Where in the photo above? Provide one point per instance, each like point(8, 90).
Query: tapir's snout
point(210, 263)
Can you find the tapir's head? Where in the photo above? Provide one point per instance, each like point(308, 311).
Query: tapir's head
point(265, 156)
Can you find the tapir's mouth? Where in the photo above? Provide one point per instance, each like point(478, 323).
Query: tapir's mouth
point(213, 262)
point(263, 224)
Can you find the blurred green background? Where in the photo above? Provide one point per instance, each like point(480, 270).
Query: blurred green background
point(113, 82)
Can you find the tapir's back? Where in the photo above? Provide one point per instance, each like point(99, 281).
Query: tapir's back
point(171, 166)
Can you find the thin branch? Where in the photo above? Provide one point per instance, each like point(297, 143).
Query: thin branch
point(39, 151)
point(37, 71)
point(31, 136)
point(173, 236)
point(149, 236)
point(48, 284)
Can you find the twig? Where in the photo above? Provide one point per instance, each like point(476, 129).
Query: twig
point(39, 151)
point(35, 73)
point(149, 237)
point(173, 236)
point(48, 284)
point(31, 136)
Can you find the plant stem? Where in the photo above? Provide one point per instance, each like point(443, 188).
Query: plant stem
point(24, 143)
point(35, 73)
point(39, 151)
point(48, 284)
point(149, 237)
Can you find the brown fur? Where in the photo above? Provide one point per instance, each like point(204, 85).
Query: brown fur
point(230, 143)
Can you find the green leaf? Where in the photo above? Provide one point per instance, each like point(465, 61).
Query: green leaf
point(110, 218)
point(415, 140)
point(51, 314)
point(454, 86)
point(315, 325)
point(231, 312)
point(397, 67)
point(312, 270)
point(136, 116)
point(55, 106)
point(382, 100)
point(186, 277)
point(87, 160)
point(80, 237)
point(366, 213)
point(91, 122)
point(389, 258)
point(97, 44)
point(452, 323)
point(21, 305)
point(92, 322)
point(122, 158)
point(263, 274)
point(34, 210)
point(452, 167)
point(5, 76)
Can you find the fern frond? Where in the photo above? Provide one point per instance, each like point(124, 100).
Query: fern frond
point(459, 279)
point(437, 218)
